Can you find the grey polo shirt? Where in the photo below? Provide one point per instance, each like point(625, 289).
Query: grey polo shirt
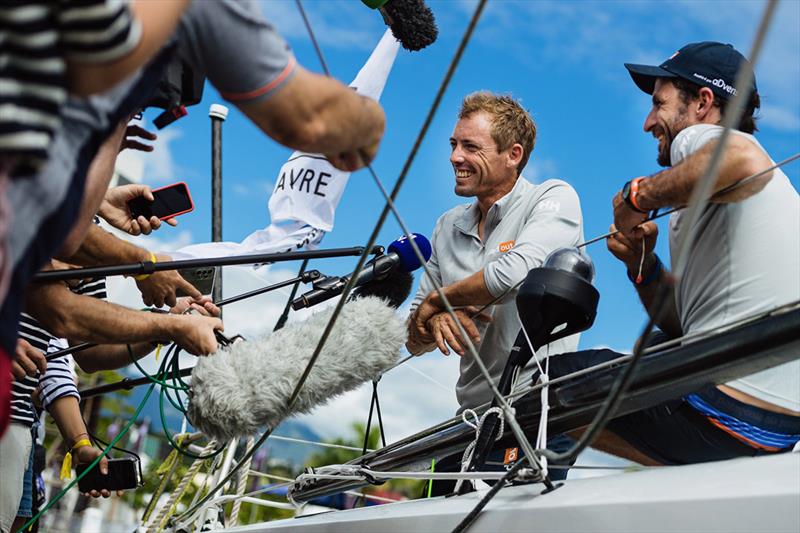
point(522, 228)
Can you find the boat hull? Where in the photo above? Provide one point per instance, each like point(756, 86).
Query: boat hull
point(746, 494)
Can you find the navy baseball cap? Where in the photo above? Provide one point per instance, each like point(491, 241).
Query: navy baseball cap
point(707, 64)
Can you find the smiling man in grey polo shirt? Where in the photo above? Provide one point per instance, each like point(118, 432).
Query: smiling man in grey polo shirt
point(482, 249)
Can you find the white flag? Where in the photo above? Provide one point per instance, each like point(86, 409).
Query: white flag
point(308, 188)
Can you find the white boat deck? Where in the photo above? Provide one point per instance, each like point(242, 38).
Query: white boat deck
point(741, 495)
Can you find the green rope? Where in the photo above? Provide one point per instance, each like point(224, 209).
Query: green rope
point(430, 482)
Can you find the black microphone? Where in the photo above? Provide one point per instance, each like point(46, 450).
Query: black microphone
point(411, 21)
point(401, 256)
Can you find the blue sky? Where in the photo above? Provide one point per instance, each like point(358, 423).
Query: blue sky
point(562, 59)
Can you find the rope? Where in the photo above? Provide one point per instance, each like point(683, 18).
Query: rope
point(241, 482)
point(477, 426)
point(166, 470)
point(171, 505)
point(544, 379)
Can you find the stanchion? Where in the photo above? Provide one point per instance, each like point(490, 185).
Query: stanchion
point(218, 113)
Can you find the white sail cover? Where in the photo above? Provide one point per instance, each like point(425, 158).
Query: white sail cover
point(308, 188)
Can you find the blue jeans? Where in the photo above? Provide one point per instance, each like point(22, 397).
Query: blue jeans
point(26, 502)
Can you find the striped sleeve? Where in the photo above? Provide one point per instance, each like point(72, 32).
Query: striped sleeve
point(34, 333)
point(22, 411)
point(96, 288)
point(97, 31)
point(59, 379)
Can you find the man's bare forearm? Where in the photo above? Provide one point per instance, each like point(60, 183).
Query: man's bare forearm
point(97, 179)
point(102, 248)
point(672, 187)
point(86, 319)
point(471, 290)
point(318, 114)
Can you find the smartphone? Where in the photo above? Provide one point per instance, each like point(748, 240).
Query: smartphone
point(203, 278)
point(123, 474)
point(169, 202)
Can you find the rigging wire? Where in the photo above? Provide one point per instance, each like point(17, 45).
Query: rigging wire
point(362, 259)
point(717, 194)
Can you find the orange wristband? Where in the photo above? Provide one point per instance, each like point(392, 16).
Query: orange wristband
point(635, 193)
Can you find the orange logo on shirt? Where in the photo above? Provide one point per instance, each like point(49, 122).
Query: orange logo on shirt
point(506, 246)
point(511, 455)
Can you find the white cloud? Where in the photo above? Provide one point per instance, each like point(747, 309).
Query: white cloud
point(409, 402)
point(254, 186)
point(157, 166)
point(540, 169)
point(779, 118)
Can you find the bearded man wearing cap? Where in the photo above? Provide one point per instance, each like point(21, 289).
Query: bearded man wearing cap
point(745, 260)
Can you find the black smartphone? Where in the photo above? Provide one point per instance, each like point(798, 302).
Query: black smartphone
point(123, 474)
point(203, 278)
point(169, 202)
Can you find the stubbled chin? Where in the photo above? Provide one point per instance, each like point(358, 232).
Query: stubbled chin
point(462, 190)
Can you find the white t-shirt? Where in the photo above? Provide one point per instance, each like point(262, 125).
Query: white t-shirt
point(745, 260)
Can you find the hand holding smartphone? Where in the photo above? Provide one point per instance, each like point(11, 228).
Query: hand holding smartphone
point(169, 202)
point(123, 474)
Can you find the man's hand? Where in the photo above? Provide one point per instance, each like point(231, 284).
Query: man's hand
point(354, 160)
point(29, 361)
point(627, 220)
point(445, 330)
point(418, 342)
point(629, 251)
point(114, 210)
point(195, 333)
point(203, 306)
point(160, 287)
point(418, 335)
point(87, 454)
point(134, 131)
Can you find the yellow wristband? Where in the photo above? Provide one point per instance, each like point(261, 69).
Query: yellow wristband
point(66, 465)
point(142, 277)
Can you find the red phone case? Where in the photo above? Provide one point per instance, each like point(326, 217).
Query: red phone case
point(188, 195)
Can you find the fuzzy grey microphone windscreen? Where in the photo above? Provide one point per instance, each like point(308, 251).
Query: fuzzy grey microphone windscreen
point(238, 391)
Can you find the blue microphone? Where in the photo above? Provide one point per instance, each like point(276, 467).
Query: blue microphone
point(401, 258)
